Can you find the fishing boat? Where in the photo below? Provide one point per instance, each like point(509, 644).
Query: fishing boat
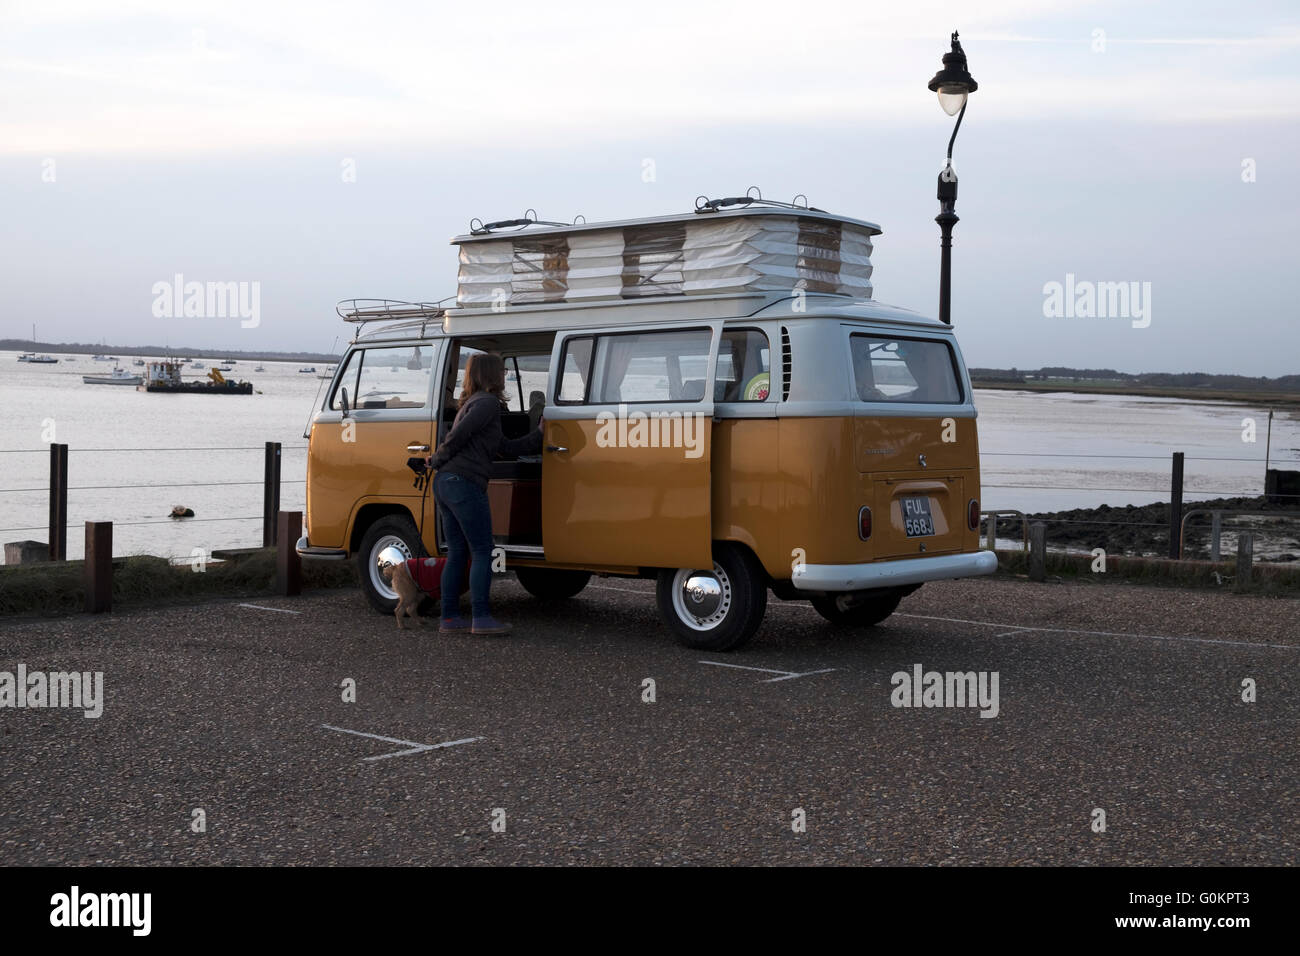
point(166, 377)
point(307, 370)
point(139, 362)
point(119, 376)
point(259, 369)
point(100, 358)
point(35, 359)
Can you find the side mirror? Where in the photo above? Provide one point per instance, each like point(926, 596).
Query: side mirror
point(343, 393)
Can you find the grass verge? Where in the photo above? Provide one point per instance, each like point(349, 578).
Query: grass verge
point(56, 587)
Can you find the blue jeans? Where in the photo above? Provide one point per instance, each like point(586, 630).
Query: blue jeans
point(467, 523)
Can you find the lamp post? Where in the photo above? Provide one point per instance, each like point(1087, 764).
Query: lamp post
point(953, 84)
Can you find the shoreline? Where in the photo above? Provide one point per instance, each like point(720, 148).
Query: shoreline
point(1227, 396)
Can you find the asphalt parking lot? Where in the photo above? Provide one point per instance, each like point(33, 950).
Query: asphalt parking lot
point(1116, 698)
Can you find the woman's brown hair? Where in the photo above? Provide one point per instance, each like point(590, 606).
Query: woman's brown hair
point(485, 372)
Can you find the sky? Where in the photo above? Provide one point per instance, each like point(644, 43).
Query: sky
point(330, 150)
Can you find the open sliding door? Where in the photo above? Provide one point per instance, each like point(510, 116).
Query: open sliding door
point(626, 462)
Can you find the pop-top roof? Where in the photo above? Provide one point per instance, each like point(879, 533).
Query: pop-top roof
point(709, 252)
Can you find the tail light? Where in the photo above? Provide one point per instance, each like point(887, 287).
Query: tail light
point(973, 514)
point(864, 523)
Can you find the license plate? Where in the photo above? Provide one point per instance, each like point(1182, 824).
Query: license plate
point(917, 521)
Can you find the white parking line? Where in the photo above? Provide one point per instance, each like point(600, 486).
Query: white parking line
point(413, 747)
point(787, 675)
point(1023, 628)
point(260, 607)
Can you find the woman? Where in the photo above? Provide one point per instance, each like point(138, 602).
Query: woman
point(464, 463)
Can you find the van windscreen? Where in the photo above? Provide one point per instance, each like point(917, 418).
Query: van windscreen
point(916, 371)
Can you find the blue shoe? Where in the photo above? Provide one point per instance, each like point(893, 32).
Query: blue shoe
point(489, 625)
point(453, 624)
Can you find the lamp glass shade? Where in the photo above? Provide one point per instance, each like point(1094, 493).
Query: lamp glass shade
point(952, 99)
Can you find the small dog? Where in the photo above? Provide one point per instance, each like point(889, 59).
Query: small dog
point(409, 594)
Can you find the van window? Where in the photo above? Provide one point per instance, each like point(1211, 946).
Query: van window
point(743, 372)
point(890, 369)
point(631, 367)
point(650, 367)
point(393, 377)
point(575, 370)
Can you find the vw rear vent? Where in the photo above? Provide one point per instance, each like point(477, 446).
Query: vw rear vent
point(785, 363)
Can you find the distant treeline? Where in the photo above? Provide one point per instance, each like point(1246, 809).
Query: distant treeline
point(94, 348)
point(1242, 383)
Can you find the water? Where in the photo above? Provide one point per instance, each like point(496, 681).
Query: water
point(206, 452)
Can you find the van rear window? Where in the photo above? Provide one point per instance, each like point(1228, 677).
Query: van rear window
point(917, 371)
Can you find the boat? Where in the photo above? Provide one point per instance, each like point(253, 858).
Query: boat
point(165, 376)
point(328, 373)
point(307, 370)
point(259, 369)
point(198, 365)
point(119, 376)
point(100, 358)
point(225, 368)
point(35, 359)
point(138, 362)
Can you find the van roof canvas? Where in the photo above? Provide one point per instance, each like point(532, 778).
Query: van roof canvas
point(746, 250)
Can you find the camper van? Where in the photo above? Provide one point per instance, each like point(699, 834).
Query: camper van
point(725, 409)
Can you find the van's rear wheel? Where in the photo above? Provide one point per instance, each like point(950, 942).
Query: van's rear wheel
point(552, 584)
point(385, 540)
point(841, 610)
point(718, 608)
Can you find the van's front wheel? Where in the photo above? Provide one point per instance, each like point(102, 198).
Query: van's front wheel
point(388, 538)
point(714, 609)
point(846, 610)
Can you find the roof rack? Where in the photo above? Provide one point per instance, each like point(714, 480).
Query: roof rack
point(477, 227)
point(703, 204)
point(389, 310)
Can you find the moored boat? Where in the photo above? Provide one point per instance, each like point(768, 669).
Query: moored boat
point(119, 376)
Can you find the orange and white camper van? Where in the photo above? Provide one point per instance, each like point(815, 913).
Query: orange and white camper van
point(727, 410)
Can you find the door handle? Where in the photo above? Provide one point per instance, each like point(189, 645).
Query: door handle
point(556, 448)
point(415, 448)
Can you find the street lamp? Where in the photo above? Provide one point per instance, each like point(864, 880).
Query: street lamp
point(953, 84)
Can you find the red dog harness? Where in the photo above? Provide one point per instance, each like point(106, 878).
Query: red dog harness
point(427, 575)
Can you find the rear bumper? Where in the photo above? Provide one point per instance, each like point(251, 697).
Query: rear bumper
point(309, 553)
point(888, 574)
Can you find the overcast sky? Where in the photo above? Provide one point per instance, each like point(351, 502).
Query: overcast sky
point(330, 150)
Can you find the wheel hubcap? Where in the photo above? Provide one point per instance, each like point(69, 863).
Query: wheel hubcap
point(388, 550)
point(701, 599)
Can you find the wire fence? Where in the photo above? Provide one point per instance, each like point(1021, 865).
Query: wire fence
point(1285, 497)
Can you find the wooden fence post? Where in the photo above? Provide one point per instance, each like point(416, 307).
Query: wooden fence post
point(1176, 508)
point(98, 570)
point(1038, 551)
point(1245, 560)
point(288, 566)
